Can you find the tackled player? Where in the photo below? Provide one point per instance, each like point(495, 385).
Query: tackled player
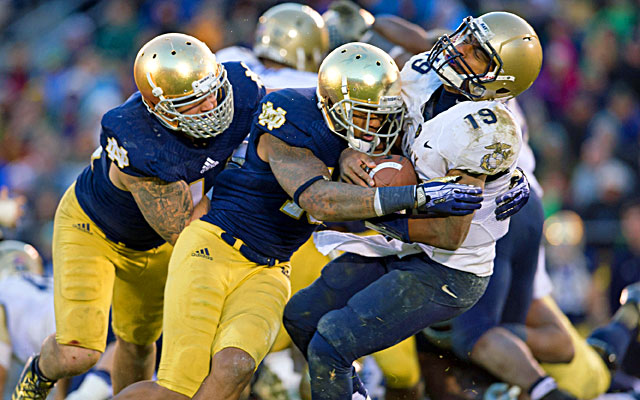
point(436, 268)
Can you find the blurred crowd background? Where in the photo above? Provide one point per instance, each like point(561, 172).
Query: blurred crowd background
point(65, 62)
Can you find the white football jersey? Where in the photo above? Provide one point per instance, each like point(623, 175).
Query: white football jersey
point(480, 137)
point(273, 78)
point(28, 303)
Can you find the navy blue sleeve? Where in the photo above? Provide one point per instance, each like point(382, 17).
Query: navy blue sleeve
point(247, 87)
point(287, 115)
point(123, 138)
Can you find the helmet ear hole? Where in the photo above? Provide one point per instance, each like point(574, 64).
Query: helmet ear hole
point(503, 91)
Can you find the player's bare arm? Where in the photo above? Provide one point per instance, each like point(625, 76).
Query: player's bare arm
point(404, 33)
point(325, 200)
point(446, 232)
point(166, 206)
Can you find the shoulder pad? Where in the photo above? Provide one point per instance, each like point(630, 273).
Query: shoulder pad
point(286, 114)
point(125, 135)
point(247, 87)
point(418, 84)
point(479, 137)
point(293, 116)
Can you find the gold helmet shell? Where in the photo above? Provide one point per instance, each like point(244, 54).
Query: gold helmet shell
point(175, 70)
point(363, 79)
point(346, 22)
point(292, 34)
point(512, 46)
point(18, 257)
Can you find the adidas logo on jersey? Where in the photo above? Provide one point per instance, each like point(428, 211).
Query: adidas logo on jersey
point(208, 164)
point(204, 253)
point(85, 227)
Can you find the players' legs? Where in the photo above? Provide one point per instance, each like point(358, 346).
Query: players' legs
point(492, 333)
point(347, 275)
point(58, 361)
point(525, 233)
point(249, 324)
point(340, 279)
point(509, 293)
point(132, 363)
point(401, 369)
point(138, 297)
point(414, 294)
point(231, 372)
point(83, 282)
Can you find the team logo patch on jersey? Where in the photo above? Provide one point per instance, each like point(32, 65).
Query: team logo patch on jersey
point(117, 153)
point(501, 152)
point(208, 164)
point(270, 117)
point(203, 253)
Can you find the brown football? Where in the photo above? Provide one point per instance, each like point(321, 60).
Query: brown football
point(393, 170)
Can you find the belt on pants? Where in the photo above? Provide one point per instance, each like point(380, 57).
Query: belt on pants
point(247, 252)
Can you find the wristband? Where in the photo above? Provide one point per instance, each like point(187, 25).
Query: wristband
point(304, 186)
point(542, 387)
point(389, 199)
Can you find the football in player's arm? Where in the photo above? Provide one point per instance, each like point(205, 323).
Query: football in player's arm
point(478, 140)
point(264, 211)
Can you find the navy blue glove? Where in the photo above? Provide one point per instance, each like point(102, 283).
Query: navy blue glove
point(442, 197)
point(512, 201)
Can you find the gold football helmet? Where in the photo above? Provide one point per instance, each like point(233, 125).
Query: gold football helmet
point(346, 22)
point(510, 43)
point(18, 257)
point(176, 70)
point(292, 34)
point(360, 78)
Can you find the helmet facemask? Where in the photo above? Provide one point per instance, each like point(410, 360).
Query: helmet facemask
point(377, 142)
point(202, 125)
point(453, 70)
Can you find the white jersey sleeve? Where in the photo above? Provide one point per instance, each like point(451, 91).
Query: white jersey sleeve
point(273, 78)
point(417, 88)
point(28, 303)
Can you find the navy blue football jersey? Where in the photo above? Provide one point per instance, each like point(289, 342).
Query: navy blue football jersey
point(141, 146)
point(248, 202)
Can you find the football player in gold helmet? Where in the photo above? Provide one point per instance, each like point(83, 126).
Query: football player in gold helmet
point(292, 34)
point(359, 95)
point(230, 269)
point(290, 42)
point(115, 227)
point(504, 43)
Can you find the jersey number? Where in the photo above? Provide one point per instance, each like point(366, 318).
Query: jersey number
point(421, 66)
point(487, 116)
